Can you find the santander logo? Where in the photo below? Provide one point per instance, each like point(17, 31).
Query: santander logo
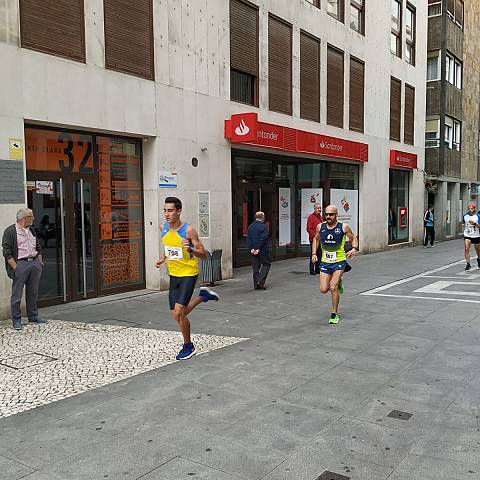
point(330, 146)
point(242, 129)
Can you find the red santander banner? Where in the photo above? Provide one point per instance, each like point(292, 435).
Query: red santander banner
point(403, 159)
point(246, 129)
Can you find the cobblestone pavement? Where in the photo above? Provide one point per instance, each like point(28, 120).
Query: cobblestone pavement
point(47, 363)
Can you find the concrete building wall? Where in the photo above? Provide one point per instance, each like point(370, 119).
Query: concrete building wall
point(471, 91)
point(180, 115)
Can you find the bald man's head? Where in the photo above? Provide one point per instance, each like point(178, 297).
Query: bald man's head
point(331, 213)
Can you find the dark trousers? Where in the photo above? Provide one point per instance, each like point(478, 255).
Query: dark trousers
point(315, 267)
point(260, 266)
point(27, 274)
point(429, 233)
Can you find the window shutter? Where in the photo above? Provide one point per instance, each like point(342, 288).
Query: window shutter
point(280, 66)
point(243, 37)
point(129, 37)
point(56, 27)
point(409, 120)
point(357, 83)
point(335, 87)
point(395, 107)
point(309, 77)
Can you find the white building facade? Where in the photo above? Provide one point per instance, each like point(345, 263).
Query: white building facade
point(94, 140)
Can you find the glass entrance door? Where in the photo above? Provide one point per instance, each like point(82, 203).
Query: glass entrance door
point(63, 223)
point(248, 201)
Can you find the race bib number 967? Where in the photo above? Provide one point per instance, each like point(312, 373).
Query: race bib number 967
point(174, 253)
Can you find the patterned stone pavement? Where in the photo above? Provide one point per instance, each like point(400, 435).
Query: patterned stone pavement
point(45, 363)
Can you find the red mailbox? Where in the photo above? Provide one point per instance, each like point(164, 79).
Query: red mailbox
point(402, 217)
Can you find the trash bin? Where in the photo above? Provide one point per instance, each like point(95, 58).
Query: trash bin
point(211, 268)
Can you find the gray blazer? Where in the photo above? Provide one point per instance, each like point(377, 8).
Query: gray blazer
point(10, 246)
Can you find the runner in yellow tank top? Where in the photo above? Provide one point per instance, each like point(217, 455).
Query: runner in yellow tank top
point(182, 249)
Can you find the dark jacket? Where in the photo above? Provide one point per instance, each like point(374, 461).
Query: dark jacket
point(10, 246)
point(257, 237)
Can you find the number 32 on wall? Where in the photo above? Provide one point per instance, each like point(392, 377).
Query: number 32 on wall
point(78, 153)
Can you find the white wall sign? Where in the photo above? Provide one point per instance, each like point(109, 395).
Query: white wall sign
point(310, 196)
point(204, 214)
point(284, 216)
point(44, 187)
point(347, 204)
point(167, 179)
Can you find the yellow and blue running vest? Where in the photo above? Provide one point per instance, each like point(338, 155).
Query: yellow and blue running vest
point(181, 263)
point(333, 243)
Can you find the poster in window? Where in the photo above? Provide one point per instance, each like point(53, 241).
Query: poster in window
point(347, 204)
point(204, 214)
point(310, 196)
point(284, 216)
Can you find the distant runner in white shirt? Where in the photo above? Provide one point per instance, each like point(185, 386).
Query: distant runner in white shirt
point(471, 233)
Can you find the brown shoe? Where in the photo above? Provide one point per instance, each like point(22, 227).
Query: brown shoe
point(261, 286)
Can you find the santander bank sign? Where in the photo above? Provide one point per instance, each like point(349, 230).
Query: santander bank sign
point(247, 129)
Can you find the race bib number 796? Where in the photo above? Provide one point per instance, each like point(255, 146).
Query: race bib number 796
point(173, 253)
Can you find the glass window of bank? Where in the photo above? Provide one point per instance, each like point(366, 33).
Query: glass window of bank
point(398, 212)
point(286, 189)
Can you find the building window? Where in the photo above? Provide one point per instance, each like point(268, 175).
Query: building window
point(410, 26)
point(335, 8)
point(395, 108)
point(315, 3)
point(53, 27)
point(335, 87)
point(453, 71)
point(457, 128)
point(452, 133)
point(243, 52)
point(396, 28)
point(432, 132)
point(409, 115)
point(432, 66)
point(129, 44)
point(434, 8)
point(357, 16)
point(357, 93)
point(309, 77)
point(448, 135)
point(279, 65)
point(455, 11)
point(242, 87)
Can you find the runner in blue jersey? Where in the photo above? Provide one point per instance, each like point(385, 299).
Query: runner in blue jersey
point(332, 235)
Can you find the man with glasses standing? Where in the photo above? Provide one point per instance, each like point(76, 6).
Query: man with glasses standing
point(23, 261)
point(332, 235)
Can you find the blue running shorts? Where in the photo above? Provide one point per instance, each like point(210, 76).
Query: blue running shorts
point(329, 268)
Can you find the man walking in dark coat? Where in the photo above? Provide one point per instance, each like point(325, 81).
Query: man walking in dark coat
point(257, 242)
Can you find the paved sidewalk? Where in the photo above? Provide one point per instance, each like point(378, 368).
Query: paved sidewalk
point(392, 392)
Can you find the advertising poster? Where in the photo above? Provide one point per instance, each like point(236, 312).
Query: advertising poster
point(44, 187)
point(347, 203)
point(204, 214)
point(310, 196)
point(167, 179)
point(284, 216)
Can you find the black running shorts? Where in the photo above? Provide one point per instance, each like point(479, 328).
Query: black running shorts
point(474, 240)
point(181, 290)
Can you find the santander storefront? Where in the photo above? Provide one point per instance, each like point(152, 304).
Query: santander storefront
point(284, 172)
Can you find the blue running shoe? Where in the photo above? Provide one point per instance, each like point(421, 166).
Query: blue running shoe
point(188, 351)
point(17, 324)
point(206, 294)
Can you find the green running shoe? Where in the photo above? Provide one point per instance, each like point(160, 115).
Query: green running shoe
point(341, 288)
point(334, 318)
